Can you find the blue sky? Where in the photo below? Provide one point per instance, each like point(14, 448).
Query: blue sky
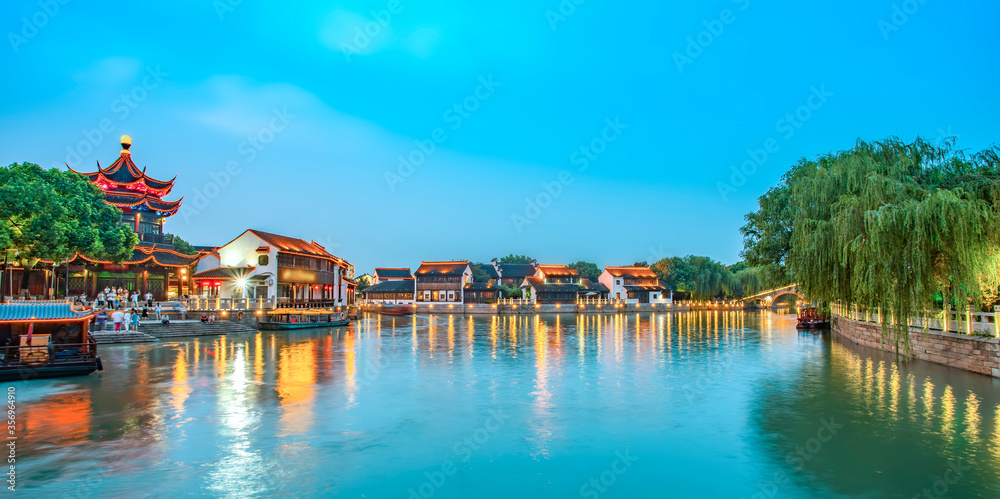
point(282, 117)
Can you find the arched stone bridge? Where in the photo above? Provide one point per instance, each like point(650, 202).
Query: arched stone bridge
point(767, 298)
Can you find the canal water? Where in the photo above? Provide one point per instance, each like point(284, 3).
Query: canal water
point(700, 404)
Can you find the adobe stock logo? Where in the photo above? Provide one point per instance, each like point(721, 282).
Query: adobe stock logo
point(787, 127)
point(47, 10)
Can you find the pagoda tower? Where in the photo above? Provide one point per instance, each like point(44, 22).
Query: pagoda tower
point(139, 196)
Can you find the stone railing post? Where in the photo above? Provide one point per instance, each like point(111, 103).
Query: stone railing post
point(968, 320)
point(996, 322)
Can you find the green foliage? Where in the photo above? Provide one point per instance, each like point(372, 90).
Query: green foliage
point(512, 258)
point(587, 270)
point(705, 279)
point(640, 264)
point(478, 272)
point(182, 246)
point(511, 291)
point(53, 214)
point(886, 224)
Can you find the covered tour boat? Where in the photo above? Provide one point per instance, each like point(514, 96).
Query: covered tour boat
point(809, 318)
point(290, 318)
point(46, 339)
point(394, 309)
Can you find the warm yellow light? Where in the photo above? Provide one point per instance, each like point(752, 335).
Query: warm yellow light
point(451, 306)
point(184, 271)
point(260, 312)
point(538, 306)
point(223, 313)
point(557, 305)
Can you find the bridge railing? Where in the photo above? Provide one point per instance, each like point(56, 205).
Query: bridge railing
point(967, 321)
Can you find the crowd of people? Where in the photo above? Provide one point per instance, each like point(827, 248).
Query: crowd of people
point(123, 309)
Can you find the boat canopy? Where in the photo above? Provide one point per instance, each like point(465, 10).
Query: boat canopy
point(21, 311)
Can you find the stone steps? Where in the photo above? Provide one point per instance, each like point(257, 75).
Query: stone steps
point(178, 329)
point(105, 337)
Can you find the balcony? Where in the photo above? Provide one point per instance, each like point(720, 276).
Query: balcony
point(164, 239)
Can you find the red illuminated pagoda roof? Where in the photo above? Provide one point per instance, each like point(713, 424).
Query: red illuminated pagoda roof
point(126, 186)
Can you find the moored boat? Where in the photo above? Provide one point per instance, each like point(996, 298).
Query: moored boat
point(46, 339)
point(395, 309)
point(290, 318)
point(809, 318)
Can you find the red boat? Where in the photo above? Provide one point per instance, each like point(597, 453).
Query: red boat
point(392, 309)
point(809, 318)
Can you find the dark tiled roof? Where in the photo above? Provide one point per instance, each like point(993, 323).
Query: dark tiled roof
point(643, 287)
point(124, 172)
point(48, 310)
point(441, 268)
point(481, 286)
point(224, 273)
point(124, 198)
point(159, 256)
point(293, 244)
point(643, 272)
point(490, 270)
point(398, 286)
point(540, 286)
point(393, 273)
point(588, 286)
point(557, 271)
point(516, 270)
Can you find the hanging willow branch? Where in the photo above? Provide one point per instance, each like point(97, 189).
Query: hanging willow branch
point(888, 224)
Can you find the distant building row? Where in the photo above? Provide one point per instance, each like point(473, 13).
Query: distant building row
point(451, 282)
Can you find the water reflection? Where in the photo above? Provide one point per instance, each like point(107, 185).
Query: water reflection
point(344, 411)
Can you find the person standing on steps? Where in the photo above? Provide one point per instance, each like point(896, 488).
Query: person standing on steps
point(117, 317)
point(157, 311)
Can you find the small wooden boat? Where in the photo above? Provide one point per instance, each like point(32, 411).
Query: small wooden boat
point(394, 309)
point(809, 318)
point(46, 339)
point(290, 318)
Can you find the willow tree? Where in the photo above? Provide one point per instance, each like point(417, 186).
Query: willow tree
point(887, 224)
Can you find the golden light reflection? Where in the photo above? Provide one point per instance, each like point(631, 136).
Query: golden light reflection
point(972, 418)
point(494, 331)
point(258, 357)
point(928, 399)
point(996, 434)
point(296, 385)
point(65, 418)
point(894, 391)
point(350, 367)
point(180, 390)
point(542, 396)
point(948, 413)
point(451, 337)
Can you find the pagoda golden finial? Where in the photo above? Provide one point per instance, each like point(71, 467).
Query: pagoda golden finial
point(126, 143)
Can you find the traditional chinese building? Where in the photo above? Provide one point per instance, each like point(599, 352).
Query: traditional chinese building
point(442, 282)
point(139, 196)
point(634, 285)
point(154, 266)
point(259, 265)
point(561, 284)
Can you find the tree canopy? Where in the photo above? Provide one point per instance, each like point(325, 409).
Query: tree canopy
point(587, 270)
point(478, 273)
point(53, 214)
point(512, 258)
point(703, 278)
point(885, 224)
point(183, 246)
